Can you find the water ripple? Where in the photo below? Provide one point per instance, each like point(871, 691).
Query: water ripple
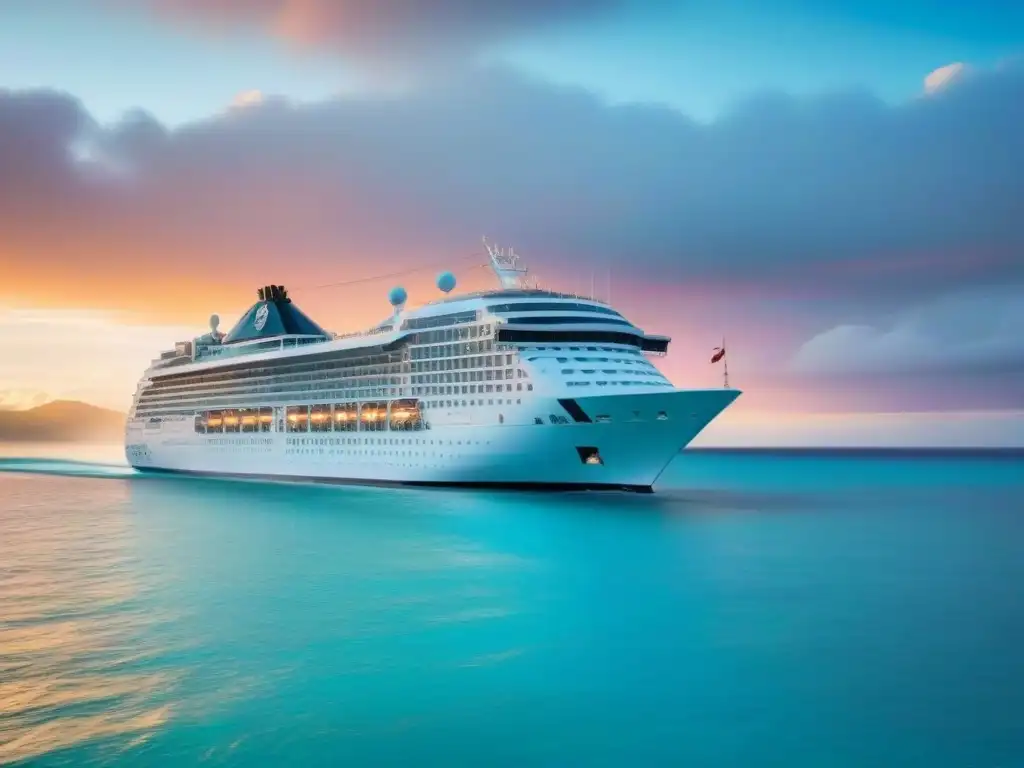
point(76, 647)
point(770, 609)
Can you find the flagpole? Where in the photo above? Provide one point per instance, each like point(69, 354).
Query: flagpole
point(725, 359)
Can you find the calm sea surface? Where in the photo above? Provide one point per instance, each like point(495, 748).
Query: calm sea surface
point(765, 609)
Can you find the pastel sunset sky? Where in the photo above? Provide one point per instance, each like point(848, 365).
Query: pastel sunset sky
point(835, 187)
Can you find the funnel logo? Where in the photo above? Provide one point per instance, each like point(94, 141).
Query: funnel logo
point(261, 317)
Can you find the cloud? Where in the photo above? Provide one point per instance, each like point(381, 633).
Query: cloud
point(979, 332)
point(816, 196)
point(790, 213)
point(943, 77)
point(397, 31)
point(251, 98)
point(954, 429)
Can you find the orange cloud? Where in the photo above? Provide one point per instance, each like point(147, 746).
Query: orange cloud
point(409, 31)
point(252, 98)
point(705, 236)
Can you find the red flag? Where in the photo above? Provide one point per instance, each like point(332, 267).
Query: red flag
point(719, 354)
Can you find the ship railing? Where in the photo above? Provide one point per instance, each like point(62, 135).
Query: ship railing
point(370, 332)
point(539, 291)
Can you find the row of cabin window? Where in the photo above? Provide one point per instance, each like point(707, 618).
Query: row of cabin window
point(437, 321)
point(346, 370)
point(620, 360)
point(227, 401)
point(660, 383)
point(566, 320)
point(466, 376)
point(554, 419)
point(618, 371)
point(348, 417)
point(457, 350)
point(235, 350)
point(461, 333)
point(192, 404)
point(262, 369)
point(259, 419)
point(417, 391)
point(343, 417)
point(559, 348)
point(551, 306)
point(467, 389)
point(428, 404)
point(642, 362)
point(279, 373)
point(241, 389)
point(460, 364)
point(335, 371)
point(344, 386)
point(340, 367)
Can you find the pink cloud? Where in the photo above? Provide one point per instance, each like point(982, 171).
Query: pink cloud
point(771, 225)
point(944, 77)
point(409, 31)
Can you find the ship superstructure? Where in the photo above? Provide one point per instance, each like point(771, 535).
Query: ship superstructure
point(515, 387)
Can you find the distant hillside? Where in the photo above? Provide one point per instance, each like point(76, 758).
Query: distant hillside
point(64, 421)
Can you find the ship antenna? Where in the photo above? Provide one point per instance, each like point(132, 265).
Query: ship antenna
point(507, 267)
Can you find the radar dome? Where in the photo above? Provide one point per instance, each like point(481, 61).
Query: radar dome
point(397, 296)
point(446, 282)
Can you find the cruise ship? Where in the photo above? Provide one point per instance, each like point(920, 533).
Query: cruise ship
point(515, 387)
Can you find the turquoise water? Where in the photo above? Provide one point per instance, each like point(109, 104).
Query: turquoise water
point(765, 609)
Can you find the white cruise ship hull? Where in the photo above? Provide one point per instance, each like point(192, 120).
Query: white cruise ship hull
point(636, 437)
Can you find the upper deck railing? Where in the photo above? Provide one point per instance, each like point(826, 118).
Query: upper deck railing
point(525, 293)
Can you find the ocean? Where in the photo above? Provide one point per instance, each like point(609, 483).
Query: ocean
point(814, 608)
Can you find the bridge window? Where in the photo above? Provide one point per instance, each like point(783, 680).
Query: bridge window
point(544, 336)
point(563, 320)
point(551, 306)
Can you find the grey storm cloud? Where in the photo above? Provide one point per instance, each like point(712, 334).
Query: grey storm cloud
point(980, 331)
point(839, 194)
point(407, 31)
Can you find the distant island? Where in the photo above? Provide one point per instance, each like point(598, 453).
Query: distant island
point(63, 421)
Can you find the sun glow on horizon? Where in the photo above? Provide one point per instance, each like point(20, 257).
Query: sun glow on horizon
point(97, 357)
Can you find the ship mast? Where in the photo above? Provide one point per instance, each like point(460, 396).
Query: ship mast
point(725, 369)
point(507, 267)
